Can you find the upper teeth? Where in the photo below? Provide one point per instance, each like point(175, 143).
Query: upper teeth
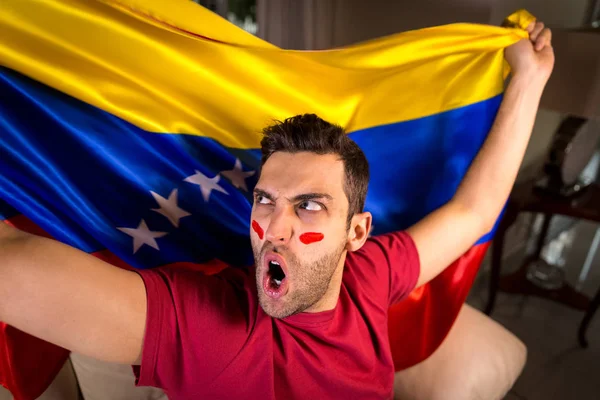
point(275, 262)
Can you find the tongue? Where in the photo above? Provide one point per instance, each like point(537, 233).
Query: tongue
point(275, 288)
point(275, 283)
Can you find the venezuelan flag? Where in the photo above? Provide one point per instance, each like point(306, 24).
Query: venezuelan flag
point(130, 130)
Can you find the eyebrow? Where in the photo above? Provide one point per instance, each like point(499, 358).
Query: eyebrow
point(311, 196)
point(260, 192)
point(297, 198)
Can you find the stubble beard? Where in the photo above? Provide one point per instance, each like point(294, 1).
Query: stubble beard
point(310, 281)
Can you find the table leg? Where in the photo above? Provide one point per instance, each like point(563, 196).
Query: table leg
point(508, 219)
point(587, 318)
point(542, 238)
point(497, 247)
point(588, 260)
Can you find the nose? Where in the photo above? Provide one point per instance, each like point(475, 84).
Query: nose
point(280, 229)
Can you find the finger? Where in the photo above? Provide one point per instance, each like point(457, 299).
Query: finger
point(544, 39)
point(537, 29)
point(530, 27)
point(540, 44)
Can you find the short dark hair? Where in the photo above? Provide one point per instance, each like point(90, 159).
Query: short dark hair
point(312, 134)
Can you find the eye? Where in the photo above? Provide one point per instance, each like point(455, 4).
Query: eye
point(262, 200)
point(311, 206)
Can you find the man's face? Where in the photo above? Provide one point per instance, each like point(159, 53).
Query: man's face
point(298, 230)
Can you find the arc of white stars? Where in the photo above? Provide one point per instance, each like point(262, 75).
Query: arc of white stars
point(143, 236)
point(238, 176)
point(207, 185)
point(169, 207)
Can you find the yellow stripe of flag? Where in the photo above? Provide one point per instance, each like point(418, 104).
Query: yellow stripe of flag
point(175, 67)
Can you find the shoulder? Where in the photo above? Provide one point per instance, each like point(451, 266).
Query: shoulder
point(196, 324)
point(381, 247)
point(386, 267)
point(191, 284)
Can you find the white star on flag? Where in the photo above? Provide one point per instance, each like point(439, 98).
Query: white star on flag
point(142, 235)
point(238, 176)
point(206, 184)
point(169, 207)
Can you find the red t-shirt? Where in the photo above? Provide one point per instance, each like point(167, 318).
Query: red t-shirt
point(208, 338)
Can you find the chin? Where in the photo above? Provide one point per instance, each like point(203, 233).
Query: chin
point(277, 308)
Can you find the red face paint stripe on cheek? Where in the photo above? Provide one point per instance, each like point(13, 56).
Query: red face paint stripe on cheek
point(311, 237)
point(258, 229)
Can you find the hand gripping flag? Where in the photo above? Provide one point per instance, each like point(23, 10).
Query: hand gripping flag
point(130, 130)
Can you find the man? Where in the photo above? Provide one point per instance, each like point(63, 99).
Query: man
point(310, 318)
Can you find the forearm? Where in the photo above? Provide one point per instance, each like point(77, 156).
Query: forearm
point(18, 250)
point(10, 238)
point(7, 233)
point(472, 212)
point(490, 178)
point(70, 298)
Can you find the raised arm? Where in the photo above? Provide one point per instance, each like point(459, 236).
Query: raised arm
point(70, 298)
point(450, 231)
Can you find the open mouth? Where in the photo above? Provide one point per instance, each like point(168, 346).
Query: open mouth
point(275, 279)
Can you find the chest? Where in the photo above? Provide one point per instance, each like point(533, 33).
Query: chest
point(347, 357)
point(351, 361)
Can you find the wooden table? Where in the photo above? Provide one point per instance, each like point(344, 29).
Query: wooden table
point(525, 198)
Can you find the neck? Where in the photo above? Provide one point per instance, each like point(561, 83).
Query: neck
point(331, 296)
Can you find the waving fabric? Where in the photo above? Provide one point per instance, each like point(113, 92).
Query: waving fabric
point(131, 129)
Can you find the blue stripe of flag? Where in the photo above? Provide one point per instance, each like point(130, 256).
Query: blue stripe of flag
point(82, 173)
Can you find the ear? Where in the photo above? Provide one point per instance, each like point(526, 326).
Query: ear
point(360, 228)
